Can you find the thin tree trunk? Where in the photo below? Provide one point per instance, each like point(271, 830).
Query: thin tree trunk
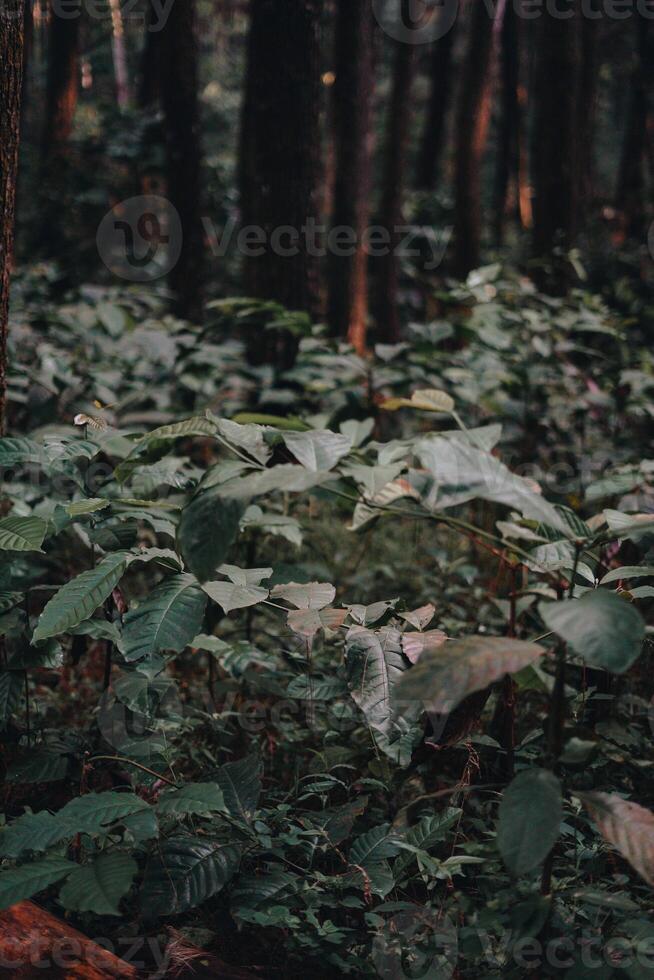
point(473, 119)
point(434, 134)
point(394, 168)
point(62, 81)
point(555, 148)
point(280, 161)
point(630, 193)
point(184, 153)
point(352, 108)
point(119, 54)
point(12, 26)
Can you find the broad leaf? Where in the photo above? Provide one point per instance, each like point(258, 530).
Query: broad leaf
point(442, 678)
point(242, 590)
point(310, 595)
point(99, 886)
point(21, 883)
point(198, 799)
point(317, 451)
point(79, 598)
point(603, 629)
point(22, 533)
point(207, 529)
point(184, 873)
point(626, 825)
point(240, 783)
point(167, 620)
point(530, 817)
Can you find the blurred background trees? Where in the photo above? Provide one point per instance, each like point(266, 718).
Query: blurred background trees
point(527, 140)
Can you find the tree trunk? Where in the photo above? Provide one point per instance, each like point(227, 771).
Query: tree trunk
point(352, 108)
point(184, 153)
point(555, 157)
point(394, 168)
point(630, 193)
point(434, 134)
point(62, 80)
point(473, 118)
point(119, 54)
point(12, 27)
point(507, 175)
point(280, 161)
point(149, 89)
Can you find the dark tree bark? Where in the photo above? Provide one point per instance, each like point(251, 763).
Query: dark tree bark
point(151, 68)
point(280, 160)
point(434, 136)
point(11, 78)
point(555, 158)
point(473, 117)
point(352, 112)
point(393, 182)
point(507, 175)
point(587, 111)
point(184, 153)
point(630, 192)
point(62, 80)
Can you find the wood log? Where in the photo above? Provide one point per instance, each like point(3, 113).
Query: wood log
point(35, 944)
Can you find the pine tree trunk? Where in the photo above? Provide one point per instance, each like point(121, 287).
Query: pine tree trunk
point(11, 78)
point(393, 182)
point(280, 161)
point(184, 153)
point(473, 118)
point(352, 109)
point(62, 81)
point(555, 158)
point(119, 53)
point(434, 134)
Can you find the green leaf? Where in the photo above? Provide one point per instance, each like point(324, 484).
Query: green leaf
point(207, 529)
point(198, 799)
point(22, 533)
point(530, 817)
point(443, 677)
point(309, 595)
point(374, 665)
point(167, 620)
point(94, 812)
point(29, 879)
point(242, 590)
point(626, 825)
point(627, 572)
point(79, 598)
point(601, 628)
point(31, 832)
point(89, 506)
point(431, 830)
point(184, 873)
point(317, 451)
point(98, 887)
point(241, 785)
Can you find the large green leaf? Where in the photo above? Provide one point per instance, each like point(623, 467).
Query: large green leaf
point(79, 598)
point(626, 825)
point(375, 665)
point(21, 883)
point(317, 451)
point(444, 676)
point(241, 785)
point(184, 873)
point(99, 886)
point(11, 689)
point(22, 533)
point(603, 629)
point(198, 799)
point(529, 819)
point(167, 620)
point(207, 529)
point(242, 590)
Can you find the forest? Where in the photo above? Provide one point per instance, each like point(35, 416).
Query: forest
point(326, 489)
